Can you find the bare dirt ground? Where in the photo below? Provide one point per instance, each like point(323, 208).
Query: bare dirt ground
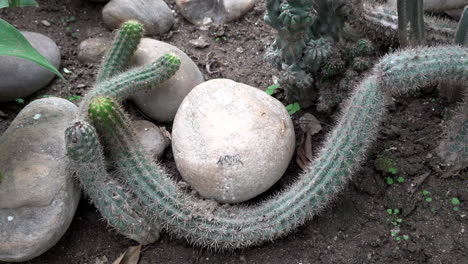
point(356, 228)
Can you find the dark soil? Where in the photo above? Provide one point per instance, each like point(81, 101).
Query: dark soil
point(355, 228)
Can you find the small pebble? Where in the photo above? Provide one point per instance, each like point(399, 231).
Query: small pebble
point(200, 42)
point(45, 23)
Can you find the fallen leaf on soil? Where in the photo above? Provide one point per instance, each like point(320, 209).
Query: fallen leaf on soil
point(309, 126)
point(130, 256)
point(101, 260)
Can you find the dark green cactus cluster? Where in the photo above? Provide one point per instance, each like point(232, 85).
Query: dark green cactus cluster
point(160, 201)
point(309, 49)
point(87, 162)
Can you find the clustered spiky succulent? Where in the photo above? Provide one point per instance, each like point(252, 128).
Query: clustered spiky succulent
point(144, 193)
point(309, 43)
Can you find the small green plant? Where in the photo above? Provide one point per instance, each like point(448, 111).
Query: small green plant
point(271, 89)
point(223, 37)
point(394, 219)
point(400, 179)
point(71, 98)
point(293, 108)
point(455, 202)
point(425, 194)
point(390, 181)
point(19, 100)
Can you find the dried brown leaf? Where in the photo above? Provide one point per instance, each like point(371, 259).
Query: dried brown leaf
point(130, 256)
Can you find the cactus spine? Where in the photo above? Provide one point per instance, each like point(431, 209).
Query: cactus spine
point(227, 227)
point(86, 159)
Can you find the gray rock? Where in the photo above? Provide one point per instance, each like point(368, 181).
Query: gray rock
point(231, 141)
point(162, 101)
point(151, 138)
point(20, 77)
point(155, 15)
point(92, 50)
point(38, 198)
point(204, 12)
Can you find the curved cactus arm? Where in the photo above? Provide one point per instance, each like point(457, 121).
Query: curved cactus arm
point(124, 45)
point(230, 227)
point(133, 81)
point(87, 163)
point(408, 69)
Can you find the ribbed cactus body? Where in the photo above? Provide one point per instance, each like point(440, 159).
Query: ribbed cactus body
point(412, 68)
point(136, 80)
point(124, 45)
point(112, 201)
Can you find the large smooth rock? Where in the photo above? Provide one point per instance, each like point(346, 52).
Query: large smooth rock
point(231, 141)
point(20, 77)
point(38, 197)
point(203, 12)
point(161, 102)
point(155, 15)
point(92, 50)
point(151, 138)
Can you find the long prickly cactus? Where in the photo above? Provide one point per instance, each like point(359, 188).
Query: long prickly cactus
point(87, 164)
point(227, 227)
point(87, 161)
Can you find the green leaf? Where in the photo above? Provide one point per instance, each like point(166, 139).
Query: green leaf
point(293, 108)
point(271, 89)
point(456, 209)
point(390, 181)
point(389, 211)
point(425, 192)
point(401, 179)
point(393, 170)
point(17, 3)
point(19, 101)
point(428, 199)
point(13, 43)
point(4, 3)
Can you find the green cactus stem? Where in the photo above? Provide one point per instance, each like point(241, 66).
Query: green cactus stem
point(139, 79)
point(411, 30)
point(383, 21)
point(227, 227)
point(87, 164)
point(124, 45)
point(461, 37)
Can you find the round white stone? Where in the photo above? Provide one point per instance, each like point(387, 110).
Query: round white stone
point(231, 141)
